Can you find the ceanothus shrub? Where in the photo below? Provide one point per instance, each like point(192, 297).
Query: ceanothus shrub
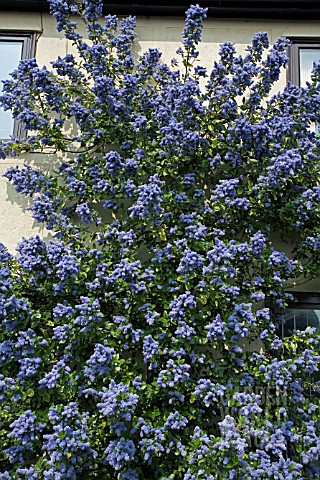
point(141, 342)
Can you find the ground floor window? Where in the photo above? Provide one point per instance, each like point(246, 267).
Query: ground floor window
point(302, 313)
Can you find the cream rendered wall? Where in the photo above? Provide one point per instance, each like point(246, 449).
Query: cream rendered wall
point(162, 33)
point(15, 221)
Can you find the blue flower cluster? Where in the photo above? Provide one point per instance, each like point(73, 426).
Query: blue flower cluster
point(142, 341)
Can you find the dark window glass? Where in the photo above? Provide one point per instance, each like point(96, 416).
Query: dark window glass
point(300, 319)
point(302, 313)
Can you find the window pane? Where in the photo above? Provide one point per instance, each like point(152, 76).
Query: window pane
point(300, 319)
point(308, 56)
point(10, 54)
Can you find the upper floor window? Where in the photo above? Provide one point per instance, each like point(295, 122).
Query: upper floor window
point(303, 54)
point(13, 48)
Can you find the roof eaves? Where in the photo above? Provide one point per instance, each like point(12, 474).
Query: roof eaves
point(272, 9)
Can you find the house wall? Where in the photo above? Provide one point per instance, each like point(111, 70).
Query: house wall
point(163, 33)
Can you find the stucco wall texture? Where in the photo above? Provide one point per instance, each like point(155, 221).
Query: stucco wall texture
point(155, 32)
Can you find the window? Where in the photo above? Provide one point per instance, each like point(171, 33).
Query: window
point(303, 54)
point(13, 48)
point(302, 313)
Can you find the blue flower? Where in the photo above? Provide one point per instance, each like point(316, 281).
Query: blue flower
point(120, 452)
point(98, 363)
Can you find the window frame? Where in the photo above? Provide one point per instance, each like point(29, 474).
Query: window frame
point(298, 43)
point(28, 40)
